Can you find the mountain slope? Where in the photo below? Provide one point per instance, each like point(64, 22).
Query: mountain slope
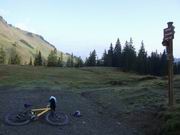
point(26, 44)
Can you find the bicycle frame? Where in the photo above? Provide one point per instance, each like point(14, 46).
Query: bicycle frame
point(40, 111)
point(30, 114)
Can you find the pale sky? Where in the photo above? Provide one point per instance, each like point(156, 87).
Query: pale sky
point(79, 26)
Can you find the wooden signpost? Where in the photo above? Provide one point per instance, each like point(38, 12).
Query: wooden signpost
point(168, 43)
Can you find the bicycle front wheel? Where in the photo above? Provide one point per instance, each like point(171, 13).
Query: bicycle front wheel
point(17, 119)
point(57, 119)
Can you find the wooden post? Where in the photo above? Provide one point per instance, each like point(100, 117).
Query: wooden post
point(168, 42)
point(171, 75)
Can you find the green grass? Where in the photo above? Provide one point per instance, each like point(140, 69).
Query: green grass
point(70, 77)
point(113, 90)
point(171, 119)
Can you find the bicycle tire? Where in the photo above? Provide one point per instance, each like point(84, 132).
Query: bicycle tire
point(57, 119)
point(11, 119)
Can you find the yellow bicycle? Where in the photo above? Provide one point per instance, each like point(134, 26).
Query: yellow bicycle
point(27, 115)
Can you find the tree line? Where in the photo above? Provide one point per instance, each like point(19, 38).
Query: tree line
point(13, 59)
point(129, 60)
point(126, 58)
point(53, 60)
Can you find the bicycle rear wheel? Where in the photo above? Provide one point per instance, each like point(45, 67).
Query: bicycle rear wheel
point(57, 119)
point(17, 119)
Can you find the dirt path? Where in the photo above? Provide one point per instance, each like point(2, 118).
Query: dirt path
point(141, 120)
point(92, 122)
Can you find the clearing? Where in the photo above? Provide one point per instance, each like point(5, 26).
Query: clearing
point(111, 102)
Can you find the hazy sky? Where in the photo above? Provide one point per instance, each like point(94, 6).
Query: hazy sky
point(79, 26)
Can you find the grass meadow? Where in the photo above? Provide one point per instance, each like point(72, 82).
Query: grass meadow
point(117, 92)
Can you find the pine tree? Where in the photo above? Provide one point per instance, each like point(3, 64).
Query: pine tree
point(129, 57)
point(38, 60)
point(85, 62)
point(154, 62)
point(79, 62)
point(99, 62)
point(104, 59)
point(130, 41)
point(91, 60)
point(88, 60)
point(163, 64)
point(125, 61)
point(2, 56)
point(59, 63)
point(14, 57)
point(110, 56)
point(60, 60)
point(30, 62)
point(52, 58)
point(117, 54)
point(142, 60)
point(68, 63)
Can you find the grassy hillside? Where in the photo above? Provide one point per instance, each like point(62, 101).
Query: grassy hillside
point(27, 44)
point(138, 101)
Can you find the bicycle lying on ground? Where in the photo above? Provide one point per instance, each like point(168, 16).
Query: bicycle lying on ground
point(27, 115)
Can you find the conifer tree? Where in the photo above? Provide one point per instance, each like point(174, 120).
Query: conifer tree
point(163, 64)
point(88, 60)
point(60, 62)
point(104, 58)
point(117, 54)
point(79, 62)
point(142, 60)
point(129, 57)
point(99, 62)
point(110, 56)
point(14, 57)
point(2, 56)
point(68, 63)
point(154, 63)
point(91, 60)
point(38, 59)
point(52, 58)
point(85, 62)
point(30, 62)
